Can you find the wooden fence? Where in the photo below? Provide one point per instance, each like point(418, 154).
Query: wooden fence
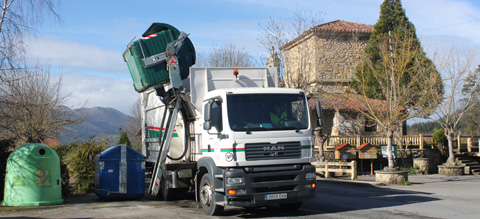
point(463, 143)
point(337, 167)
point(408, 140)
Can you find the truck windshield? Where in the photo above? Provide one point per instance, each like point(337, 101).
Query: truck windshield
point(265, 112)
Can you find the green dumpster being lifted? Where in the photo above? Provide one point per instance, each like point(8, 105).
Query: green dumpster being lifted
point(147, 57)
point(33, 177)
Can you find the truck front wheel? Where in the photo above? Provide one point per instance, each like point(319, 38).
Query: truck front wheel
point(207, 198)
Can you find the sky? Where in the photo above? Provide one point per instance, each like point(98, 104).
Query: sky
point(86, 47)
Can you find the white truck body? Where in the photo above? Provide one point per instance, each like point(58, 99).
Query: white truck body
point(197, 85)
point(230, 142)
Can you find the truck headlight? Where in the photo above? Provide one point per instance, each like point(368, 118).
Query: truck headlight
point(310, 175)
point(235, 180)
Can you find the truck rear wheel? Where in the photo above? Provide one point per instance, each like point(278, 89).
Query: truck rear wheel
point(207, 197)
point(166, 193)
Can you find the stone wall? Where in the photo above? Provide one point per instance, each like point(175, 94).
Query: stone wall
point(327, 59)
point(299, 70)
point(345, 124)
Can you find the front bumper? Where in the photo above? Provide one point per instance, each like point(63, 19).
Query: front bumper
point(268, 185)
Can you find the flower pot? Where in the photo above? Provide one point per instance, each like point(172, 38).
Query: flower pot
point(391, 177)
point(446, 170)
point(422, 164)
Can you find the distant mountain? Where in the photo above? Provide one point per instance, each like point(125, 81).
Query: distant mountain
point(98, 122)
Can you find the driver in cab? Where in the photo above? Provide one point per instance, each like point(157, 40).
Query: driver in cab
point(278, 115)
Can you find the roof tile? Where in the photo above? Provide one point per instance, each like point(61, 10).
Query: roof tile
point(345, 26)
point(334, 26)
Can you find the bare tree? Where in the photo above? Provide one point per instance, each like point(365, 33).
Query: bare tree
point(278, 32)
point(471, 119)
point(30, 100)
point(302, 74)
point(32, 105)
point(19, 18)
point(399, 81)
point(456, 68)
point(226, 56)
point(134, 125)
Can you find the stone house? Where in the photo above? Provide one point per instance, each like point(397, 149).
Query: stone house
point(322, 61)
point(326, 55)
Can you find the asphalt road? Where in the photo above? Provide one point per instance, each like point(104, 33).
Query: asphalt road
point(431, 196)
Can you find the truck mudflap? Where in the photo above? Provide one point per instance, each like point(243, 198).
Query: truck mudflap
point(267, 185)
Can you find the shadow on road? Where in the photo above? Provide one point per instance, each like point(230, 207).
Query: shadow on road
point(333, 198)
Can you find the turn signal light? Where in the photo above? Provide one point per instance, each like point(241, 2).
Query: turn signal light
point(235, 72)
point(310, 186)
point(232, 192)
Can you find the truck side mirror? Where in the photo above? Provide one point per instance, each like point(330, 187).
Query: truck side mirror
point(207, 115)
point(318, 108)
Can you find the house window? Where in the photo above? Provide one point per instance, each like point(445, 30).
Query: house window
point(370, 125)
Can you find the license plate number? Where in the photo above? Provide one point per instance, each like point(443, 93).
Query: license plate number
point(276, 196)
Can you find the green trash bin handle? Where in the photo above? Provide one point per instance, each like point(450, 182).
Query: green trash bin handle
point(139, 43)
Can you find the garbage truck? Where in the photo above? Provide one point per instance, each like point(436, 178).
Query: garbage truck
point(229, 135)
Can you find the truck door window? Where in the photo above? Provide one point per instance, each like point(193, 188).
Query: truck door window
point(217, 115)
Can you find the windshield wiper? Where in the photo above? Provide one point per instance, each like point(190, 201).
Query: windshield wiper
point(249, 130)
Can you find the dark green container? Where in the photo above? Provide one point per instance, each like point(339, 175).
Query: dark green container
point(144, 78)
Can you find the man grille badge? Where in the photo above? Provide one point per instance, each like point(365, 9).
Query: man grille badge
point(273, 150)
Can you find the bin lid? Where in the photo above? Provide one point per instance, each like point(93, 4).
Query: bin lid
point(114, 153)
point(157, 27)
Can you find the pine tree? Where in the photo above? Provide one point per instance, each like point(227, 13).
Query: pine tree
point(395, 69)
point(124, 139)
point(392, 21)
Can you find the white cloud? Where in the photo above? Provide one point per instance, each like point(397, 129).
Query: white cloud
point(70, 54)
point(89, 91)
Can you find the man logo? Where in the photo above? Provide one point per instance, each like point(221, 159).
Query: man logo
point(274, 148)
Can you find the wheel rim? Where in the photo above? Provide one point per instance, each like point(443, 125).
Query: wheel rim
point(206, 194)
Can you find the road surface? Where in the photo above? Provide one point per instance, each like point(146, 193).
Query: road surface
point(431, 196)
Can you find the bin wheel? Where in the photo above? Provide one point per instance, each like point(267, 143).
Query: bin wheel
point(207, 197)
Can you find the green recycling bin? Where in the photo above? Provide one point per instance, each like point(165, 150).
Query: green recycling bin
point(33, 177)
point(139, 53)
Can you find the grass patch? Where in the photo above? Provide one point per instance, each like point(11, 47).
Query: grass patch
point(411, 170)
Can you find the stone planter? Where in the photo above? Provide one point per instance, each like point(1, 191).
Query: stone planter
point(445, 170)
point(391, 177)
point(422, 164)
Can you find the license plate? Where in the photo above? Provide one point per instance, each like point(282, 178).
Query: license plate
point(276, 196)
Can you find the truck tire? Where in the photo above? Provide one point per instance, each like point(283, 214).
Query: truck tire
point(166, 193)
point(207, 197)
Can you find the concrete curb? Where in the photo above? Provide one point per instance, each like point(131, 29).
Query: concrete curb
point(358, 183)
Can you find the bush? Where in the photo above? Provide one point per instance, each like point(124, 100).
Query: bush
point(62, 151)
point(80, 162)
point(124, 139)
point(5, 146)
point(440, 140)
